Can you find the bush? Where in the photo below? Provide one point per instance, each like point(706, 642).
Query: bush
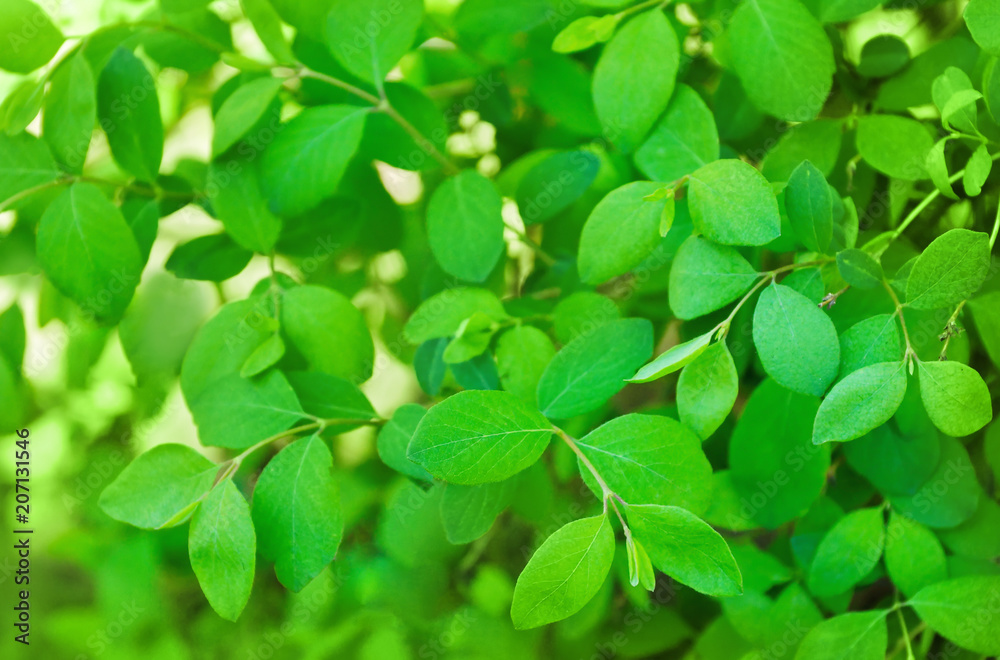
point(670, 329)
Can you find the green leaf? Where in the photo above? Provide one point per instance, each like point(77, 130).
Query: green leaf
point(640, 568)
point(479, 373)
point(553, 184)
point(593, 367)
point(580, 312)
point(443, 313)
point(309, 156)
point(241, 111)
point(484, 18)
point(883, 55)
point(732, 203)
point(979, 536)
point(775, 468)
point(706, 276)
point(477, 437)
point(212, 258)
point(296, 512)
point(468, 512)
point(472, 338)
point(937, 167)
point(29, 37)
point(234, 190)
point(686, 548)
point(394, 438)
point(949, 270)
point(464, 226)
point(840, 11)
point(70, 112)
point(896, 146)
point(858, 268)
point(817, 141)
point(315, 318)
point(962, 610)
point(848, 552)
point(647, 459)
point(809, 207)
point(21, 106)
point(88, 251)
point(565, 572)
point(264, 357)
point(158, 485)
point(621, 231)
point(331, 398)
point(221, 347)
point(796, 341)
point(129, 112)
point(870, 341)
point(977, 170)
point(634, 78)
point(950, 494)
point(707, 390)
point(369, 37)
point(222, 549)
point(983, 19)
point(684, 139)
point(673, 359)
point(267, 24)
point(851, 636)
point(914, 557)
point(865, 399)
point(236, 412)
point(584, 32)
point(13, 336)
point(522, 354)
point(955, 396)
point(895, 462)
point(782, 57)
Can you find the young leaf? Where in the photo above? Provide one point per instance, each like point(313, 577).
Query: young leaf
point(977, 170)
point(949, 270)
point(129, 113)
point(863, 400)
point(477, 437)
point(296, 512)
point(782, 57)
point(88, 251)
point(914, 557)
point(443, 313)
point(464, 226)
point(264, 357)
point(955, 396)
point(394, 438)
point(850, 636)
point(468, 512)
point(859, 269)
point(896, 146)
point(707, 390)
point(565, 572)
point(308, 157)
point(684, 139)
point(593, 367)
point(962, 610)
point(584, 32)
point(622, 230)
point(648, 458)
point(870, 341)
point(796, 341)
point(706, 276)
point(673, 359)
point(222, 548)
point(158, 485)
point(634, 78)
point(732, 203)
point(241, 111)
point(640, 568)
point(848, 552)
point(236, 412)
point(686, 548)
point(70, 112)
point(315, 318)
point(809, 207)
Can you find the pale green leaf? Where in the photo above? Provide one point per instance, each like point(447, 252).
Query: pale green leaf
point(962, 610)
point(673, 359)
point(865, 399)
point(707, 390)
point(683, 140)
point(464, 226)
point(914, 557)
point(621, 231)
point(955, 396)
point(129, 113)
point(315, 319)
point(706, 276)
point(850, 636)
point(29, 37)
point(369, 37)
point(733, 204)
point(983, 19)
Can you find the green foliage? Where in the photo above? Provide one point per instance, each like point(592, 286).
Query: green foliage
point(670, 328)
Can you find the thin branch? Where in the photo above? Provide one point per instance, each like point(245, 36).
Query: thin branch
point(909, 353)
